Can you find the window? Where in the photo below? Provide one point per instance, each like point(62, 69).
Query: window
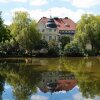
point(55, 37)
point(68, 31)
point(43, 37)
point(50, 30)
point(50, 37)
point(73, 31)
point(54, 30)
point(62, 31)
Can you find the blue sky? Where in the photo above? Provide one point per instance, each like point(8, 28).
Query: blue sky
point(59, 8)
point(73, 94)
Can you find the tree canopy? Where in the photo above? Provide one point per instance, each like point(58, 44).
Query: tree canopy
point(24, 30)
point(88, 31)
point(65, 40)
point(4, 31)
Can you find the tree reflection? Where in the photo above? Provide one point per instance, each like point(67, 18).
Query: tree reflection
point(22, 77)
point(87, 74)
point(2, 82)
point(25, 75)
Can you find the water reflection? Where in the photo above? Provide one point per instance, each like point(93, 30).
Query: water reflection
point(57, 81)
point(51, 75)
point(2, 82)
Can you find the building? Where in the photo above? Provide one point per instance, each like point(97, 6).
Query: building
point(57, 81)
point(53, 28)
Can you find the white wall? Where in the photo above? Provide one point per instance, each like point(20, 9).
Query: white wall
point(48, 32)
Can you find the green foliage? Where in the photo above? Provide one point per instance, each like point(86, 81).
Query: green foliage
point(86, 71)
point(42, 44)
point(64, 40)
point(2, 83)
point(53, 52)
point(88, 31)
point(53, 49)
point(4, 31)
point(24, 30)
point(73, 49)
point(22, 77)
point(25, 77)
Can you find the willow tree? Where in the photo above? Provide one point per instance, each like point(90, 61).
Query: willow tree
point(24, 31)
point(88, 31)
point(4, 31)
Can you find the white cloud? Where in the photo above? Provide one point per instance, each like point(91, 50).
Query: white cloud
point(7, 22)
point(3, 1)
point(6, 1)
point(31, 2)
point(19, 0)
point(97, 98)
point(38, 97)
point(19, 9)
point(57, 12)
point(77, 87)
point(84, 3)
point(60, 92)
point(7, 86)
point(6, 14)
point(38, 2)
point(79, 96)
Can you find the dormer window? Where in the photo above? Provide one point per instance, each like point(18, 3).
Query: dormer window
point(58, 25)
point(67, 25)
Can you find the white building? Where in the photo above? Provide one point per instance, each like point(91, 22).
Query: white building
point(53, 28)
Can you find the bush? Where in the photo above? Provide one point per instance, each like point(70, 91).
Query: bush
point(64, 40)
point(73, 49)
point(53, 52)
point(92, 52)
point(42, 44)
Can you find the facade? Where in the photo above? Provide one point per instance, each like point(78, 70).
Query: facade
point(57, 81)
point(53, 28)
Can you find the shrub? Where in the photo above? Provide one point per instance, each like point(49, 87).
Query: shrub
point(41, 44)
point(73, 49)
point(53, 51)
point(64, 40)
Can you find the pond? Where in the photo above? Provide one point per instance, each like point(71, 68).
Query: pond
point(50, 78)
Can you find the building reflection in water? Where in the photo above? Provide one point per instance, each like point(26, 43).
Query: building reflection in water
point(57, 81)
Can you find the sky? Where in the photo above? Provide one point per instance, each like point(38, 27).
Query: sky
point(73, 9)
point(73, 94)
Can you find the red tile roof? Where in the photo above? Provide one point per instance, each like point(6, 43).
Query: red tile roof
point(62, 23)
point(65, 85)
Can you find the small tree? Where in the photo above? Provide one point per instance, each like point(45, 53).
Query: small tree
point(88, 31)
point(24, 31)
point(64, 40)
point(4, 31)
point(53, 49)
point(73, 49)
point(42, 44)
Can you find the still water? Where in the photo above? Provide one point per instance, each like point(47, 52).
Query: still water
point(50, 79)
